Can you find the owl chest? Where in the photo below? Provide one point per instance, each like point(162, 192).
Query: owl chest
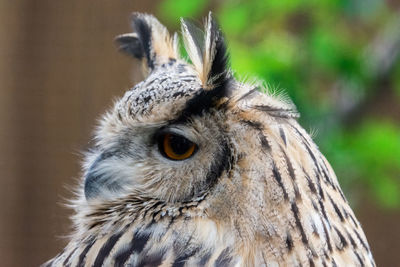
point(171, 243)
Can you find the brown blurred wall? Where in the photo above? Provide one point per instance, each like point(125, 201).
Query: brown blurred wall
point(59, 71)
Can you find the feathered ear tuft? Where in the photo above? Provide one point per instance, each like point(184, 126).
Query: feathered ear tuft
point(219, 70)
point(150, 42)
point(207, 52)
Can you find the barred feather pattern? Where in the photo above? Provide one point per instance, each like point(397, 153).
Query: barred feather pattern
point(258, 192)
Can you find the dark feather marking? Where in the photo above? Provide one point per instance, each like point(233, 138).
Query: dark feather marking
point(163, 80)
point(269, 108)
point(311, 262)
point(277, 112)
point(314, 205)
point(283, 136)
point(323, 210)
point(304, 140)
point(341, 194)
point(179, 93)
point(289, 242)
point(137, 244)
point(130, 45)
point(181, 68)
point(66, 262)
point(318, 177)
point(202, 102)
point(278, 179)
point(119, 115)
point(352, 242)
point(172, 221)
point(181, 260)
point(334, 263)
point(359, 259)
point(307, 146)
point(186, 80)
point(254, 124)
point(335, 187)
point(335, 207)
point(221, 58)
point(205, 258)
point(264, 142)
point(145, 211)
point(328, 241)
point(328, 179)
point(313, 157)
point(310, 183)
point(354, 220)
point(346, 215)
point(292, 174)
point(326, 172)
point(224, 260)
point(320, 191)
point(295, 211)
point(159, 210)
point(324, 263)
point(222, 162)
point(315, 230)
point(188, 77)
point(318, 167)
point(264, 258)
point(82, 256)
point(107, 247)
point(259, 127)
point(248, 94)
point(144, 32)
point(361, 240)
point(342, 239)
point(154, 259)
point(154, 209)
point(313, 253)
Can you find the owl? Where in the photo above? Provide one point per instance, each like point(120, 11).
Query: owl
point(192, 167)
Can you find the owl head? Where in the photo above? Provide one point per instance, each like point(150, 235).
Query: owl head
point(190, 132)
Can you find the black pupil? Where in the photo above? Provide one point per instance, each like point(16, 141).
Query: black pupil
point(179, 145)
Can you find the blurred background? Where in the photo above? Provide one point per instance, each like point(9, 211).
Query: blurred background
point(338, 60)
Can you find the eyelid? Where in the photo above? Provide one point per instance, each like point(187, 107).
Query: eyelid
point(177, 131)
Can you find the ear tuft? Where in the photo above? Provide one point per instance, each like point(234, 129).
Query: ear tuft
point(207, 51)
point(150, 41)
point(144, 31)
point(219, 71)
point(193, 38)
point(130, 44)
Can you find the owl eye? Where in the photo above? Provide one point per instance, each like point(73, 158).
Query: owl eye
point(176, 147)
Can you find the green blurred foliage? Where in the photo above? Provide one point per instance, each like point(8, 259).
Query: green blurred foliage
point(327, 55)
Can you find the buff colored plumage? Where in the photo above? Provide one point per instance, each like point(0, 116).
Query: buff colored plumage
point(194, 168)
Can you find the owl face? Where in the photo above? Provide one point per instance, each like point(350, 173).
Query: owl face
point(163, 139)
point(178, 134)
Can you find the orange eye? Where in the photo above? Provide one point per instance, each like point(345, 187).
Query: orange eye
point(176, 147)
